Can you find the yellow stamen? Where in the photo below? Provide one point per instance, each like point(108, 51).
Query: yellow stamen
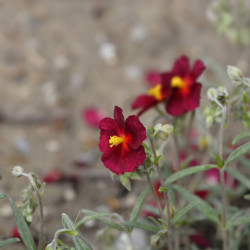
point(177, 82)
point(156, 92)
point(115, 140)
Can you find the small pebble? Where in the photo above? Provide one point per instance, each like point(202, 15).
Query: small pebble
point(108, 53)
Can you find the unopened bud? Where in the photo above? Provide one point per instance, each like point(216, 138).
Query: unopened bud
point(17, 171)
point(212, 94)
point(235, 74)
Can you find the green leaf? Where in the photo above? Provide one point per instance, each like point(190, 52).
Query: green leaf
point(138, 205)
point(203, 206)
point(2, 196)
point(142, 225)
point(70, 232)
point(163, 189)
point(240, 137)
point(157, 159)
point(125, 181)
point(240, 177)
point(238, 152)
point(91, 217)
point(6, 242)
point(240, 221)
point(22, 226)
point(104, 219)
point(219, 161)
point(79, 243)
point(188, 171)
point(183, 211)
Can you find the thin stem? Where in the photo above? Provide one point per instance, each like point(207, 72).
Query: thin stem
point(170, 245)
point(222, 179)
point(41, 232)
point(154, 193)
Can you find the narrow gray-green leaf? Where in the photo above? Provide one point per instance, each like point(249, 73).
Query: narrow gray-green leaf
point(105, 219)
point(183, 211)
point(138, 205)
point(141, 225)
point(22, 226)
point(7, 242)
point(2, 196)
point(240, 137)
point(91, 217)
point(203, 206)
point(243, 179)
point(79, 244)
point(241, 150)
point(240, 221)
point(188, 171)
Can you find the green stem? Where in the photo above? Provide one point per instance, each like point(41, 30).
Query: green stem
point(222, 180)
point(41, 232)
point(170, 245)
point(154, 193)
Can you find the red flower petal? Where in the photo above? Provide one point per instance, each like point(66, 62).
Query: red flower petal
point(93, 116)
point(181, 67)
point(197, 70)
point(153, 78)
point(121, 161)
point(108, 128)
point(178, 105)
point(119, 118)
point(15, 233)
point(55, 175)
point(145, 102)
point(200, 240)
point(202, 193)
point(135, 131)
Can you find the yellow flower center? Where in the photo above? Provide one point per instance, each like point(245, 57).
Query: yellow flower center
point(177, 82)
point(115, 140)
point(156, 92)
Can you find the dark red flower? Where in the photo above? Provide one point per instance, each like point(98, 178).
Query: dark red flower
point(200, 240)
point(202, 193)
point(157, 185)
point(15, 233)
point(153, 78)
point(185, 91)
point(93, 116)
point(156, 94)
point(213, 177)
point(55, 175)
point(120, 142)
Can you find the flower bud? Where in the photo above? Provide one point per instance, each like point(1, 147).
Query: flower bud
point(212, 94)
point(17, 171)
point(235, 74)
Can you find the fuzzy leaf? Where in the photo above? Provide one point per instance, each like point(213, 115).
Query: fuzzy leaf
point(240, 177)
point(203, 206)
point(79, 243)
point(22, 226)
point(125, 181)
point(238, 152)
point(240, 221)
point(183, 211)
point(7, 242)
point(188, 171)
point(240, 137)
point(138, 205)
point(105, 219)
point(2, 196)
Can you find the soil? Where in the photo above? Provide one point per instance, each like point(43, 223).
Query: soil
point(51, 68)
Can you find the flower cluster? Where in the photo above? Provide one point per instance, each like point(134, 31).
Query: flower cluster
point(178, 89)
